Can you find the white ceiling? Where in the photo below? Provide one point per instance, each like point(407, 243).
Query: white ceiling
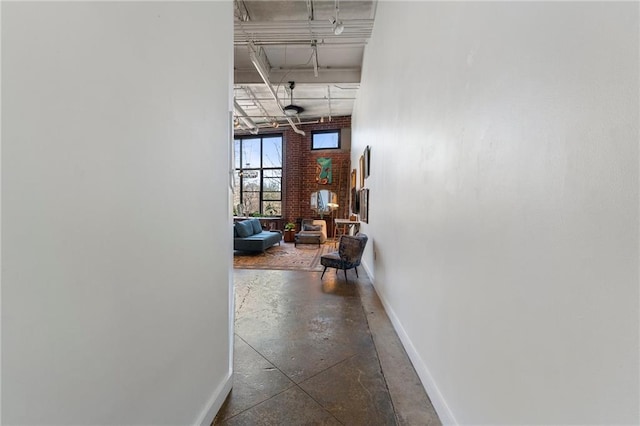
point(294, 40)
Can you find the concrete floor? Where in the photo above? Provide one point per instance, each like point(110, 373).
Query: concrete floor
point(318, 352)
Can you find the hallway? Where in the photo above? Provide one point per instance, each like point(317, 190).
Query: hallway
point(312, 352)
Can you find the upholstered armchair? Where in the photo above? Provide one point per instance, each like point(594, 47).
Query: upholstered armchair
point(348, 256)
point(313, 231)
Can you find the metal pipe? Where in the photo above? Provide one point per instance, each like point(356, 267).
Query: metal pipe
point(315, 59)
point(265, 78)
point(245, 118)
point(329, 100)
point(301, 30)
point(300, 44)
point(269, 117)
point(301, 99)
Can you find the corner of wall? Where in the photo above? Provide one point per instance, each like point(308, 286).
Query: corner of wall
point(209, 412)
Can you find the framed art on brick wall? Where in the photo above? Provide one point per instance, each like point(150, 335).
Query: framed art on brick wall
point(323, 171)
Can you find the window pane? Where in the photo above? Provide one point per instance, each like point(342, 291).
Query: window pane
point(236, 147)
point(251, 180)
point(325, 140)
point(272, 208)
point(272, 173)
point(251, 202)
point(272, 195)
point(236, 194)
point(272, 152)
point(272, 184)
point(250, 153)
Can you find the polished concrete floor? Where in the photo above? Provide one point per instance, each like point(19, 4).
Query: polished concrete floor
point(318, 352)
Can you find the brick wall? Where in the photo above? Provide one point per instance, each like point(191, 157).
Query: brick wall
point(300, 170)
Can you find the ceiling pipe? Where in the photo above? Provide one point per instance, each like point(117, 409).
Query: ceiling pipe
point(252, 96)
point(310, 9)
point(270, 126)
point(245, 118)
point(315, 58)
point(298, 99)
point(329, 100)
point(270, 118)
point(265, 77)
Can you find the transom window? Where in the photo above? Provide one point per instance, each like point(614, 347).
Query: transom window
point(325, 139)
point(258, 176)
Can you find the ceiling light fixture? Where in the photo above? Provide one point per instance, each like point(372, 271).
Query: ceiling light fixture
point(292, 110)
point(338, 26)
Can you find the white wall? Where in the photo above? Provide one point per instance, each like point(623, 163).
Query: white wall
point(115, 219)
point(504, 204)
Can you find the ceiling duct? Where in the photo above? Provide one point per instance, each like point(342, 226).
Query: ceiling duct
point(292, 110)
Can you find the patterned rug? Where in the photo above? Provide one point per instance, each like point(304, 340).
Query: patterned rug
point(304, 257)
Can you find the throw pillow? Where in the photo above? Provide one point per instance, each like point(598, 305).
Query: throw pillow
point(245, 229)
point(312, 227)
point(257, 228)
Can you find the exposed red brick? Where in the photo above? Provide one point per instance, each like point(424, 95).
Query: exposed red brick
point(300, 171)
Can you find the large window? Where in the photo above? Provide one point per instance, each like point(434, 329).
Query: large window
point(325, 139)
point(258, 176)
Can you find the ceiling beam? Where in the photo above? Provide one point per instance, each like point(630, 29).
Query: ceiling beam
point(304, 30)
point(303, 75)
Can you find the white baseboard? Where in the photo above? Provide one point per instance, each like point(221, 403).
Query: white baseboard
point(215, 402)
point(368, 271)
point(438, 401)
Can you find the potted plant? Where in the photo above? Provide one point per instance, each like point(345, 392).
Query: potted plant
point(289, 232)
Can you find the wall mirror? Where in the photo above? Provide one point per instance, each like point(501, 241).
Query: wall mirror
point(324, 201)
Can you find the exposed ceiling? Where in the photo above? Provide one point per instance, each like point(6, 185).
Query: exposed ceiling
point(282, 41)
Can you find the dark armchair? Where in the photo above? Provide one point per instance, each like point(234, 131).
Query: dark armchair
point(348, 255)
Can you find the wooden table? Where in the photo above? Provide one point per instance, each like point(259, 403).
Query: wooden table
point(345, 227)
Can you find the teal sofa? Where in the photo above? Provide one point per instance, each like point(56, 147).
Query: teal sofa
point(249, 236)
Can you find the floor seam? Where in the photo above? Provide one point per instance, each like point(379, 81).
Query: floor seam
point(268, 360)
point(293, 384)
point(319, 403)
point(328, 368)
point(255, 405)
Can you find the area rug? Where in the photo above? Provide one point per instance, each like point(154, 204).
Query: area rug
point(304, 257)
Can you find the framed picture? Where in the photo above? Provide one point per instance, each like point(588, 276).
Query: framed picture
point(361, 171)
point(367, 161)
point(353, 193)
point(364, 205)
point(323, 171)
point(355, 201)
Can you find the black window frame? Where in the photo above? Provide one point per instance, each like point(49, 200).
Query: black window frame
point(240, 171)
point(316, 132)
